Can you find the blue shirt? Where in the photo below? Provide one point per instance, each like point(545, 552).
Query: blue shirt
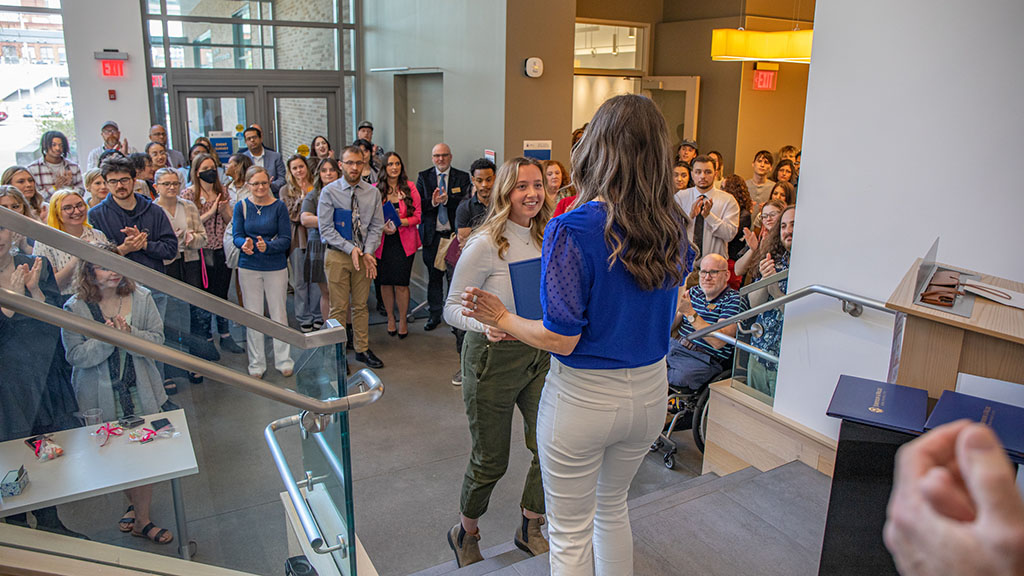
point(272, 223)
point(770, 339)
point(620, 325)
point(728, 303)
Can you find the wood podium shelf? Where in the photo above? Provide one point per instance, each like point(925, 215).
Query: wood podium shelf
point(936, 345)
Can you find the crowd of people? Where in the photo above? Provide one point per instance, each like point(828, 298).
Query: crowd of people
point(335, 222)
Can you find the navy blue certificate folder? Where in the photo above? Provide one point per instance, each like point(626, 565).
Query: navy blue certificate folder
point(879, 404)
point(1006, 420)
point(525, 276)
point(391, 214)
point(343, 223)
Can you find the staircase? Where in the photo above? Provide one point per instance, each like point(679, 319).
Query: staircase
point(749, 522)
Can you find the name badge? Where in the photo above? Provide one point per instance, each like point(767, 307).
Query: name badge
point(457, 190)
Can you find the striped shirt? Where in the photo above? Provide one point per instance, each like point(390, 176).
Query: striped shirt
point(45, 175)
point(728, 303)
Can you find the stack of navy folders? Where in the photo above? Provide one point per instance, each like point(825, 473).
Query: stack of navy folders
point(1006, 420)
point(880, 404)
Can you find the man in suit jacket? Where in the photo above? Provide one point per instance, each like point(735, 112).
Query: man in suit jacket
point(441, 189)
point(265, 157)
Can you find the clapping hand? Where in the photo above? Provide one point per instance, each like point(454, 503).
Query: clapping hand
point(767, 266)
point(706, 206)
point(16, 283)
point(119, 323)
point(698, 206)
point(247, 247)
point(683, 304)
point(751, 239)
point(439, 197)
point(261, 245)
point(389, 228)
point(32, 278)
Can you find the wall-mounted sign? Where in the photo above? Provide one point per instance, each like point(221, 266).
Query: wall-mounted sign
point(539, 149)
point(113, 68)
point(765, 79)
point(223, 144)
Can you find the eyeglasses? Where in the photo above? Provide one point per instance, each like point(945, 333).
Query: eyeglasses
point(711, 273)
point(259, 184)
point(126, 181)
point(69, 208)
point(109, 131)
point(352, 163)
point(172, 184)
point(441, 155)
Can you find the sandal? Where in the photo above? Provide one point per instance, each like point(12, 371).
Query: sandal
point(170, 387)
point(158, 537)
point(126, 523)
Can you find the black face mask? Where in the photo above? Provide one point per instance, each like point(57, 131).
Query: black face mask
point(208, 176)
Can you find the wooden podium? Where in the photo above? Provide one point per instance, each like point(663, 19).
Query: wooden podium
point(937, 345)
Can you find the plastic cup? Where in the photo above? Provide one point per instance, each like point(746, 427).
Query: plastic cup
point(93, 416)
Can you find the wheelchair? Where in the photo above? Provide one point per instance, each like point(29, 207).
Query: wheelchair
point(688, 409)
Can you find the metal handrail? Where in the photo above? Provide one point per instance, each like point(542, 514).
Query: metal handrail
point(88, 327)
point(852, 305)
point(754, 287)
point(154, 280)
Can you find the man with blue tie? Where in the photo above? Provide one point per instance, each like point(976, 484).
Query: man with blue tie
point(441, 189)
point(265, 157)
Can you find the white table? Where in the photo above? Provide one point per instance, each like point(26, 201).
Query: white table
point(86, 469)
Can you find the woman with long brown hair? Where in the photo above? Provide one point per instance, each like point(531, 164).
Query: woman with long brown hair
point(397, 251)
point(610, 272)
point(298, 183)
point(500, 372)
point(12, 199)
point(21, 178)
point(326, 172)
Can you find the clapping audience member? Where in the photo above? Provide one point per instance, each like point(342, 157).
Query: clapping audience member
point(21, 178)
point(442, 188)
point(12, 199)
point(118, 382)
point(625, 243)
point(263, 233)
point(158, 154)
point(186, 266)
point(500, 372)
point(763, 224)
point(692, 364)
point(53, 171)
point(215, 211)
point(68, 214)
point(95, 187)
point(328, 171)
point(350, 263)
point(737, 188)
point(264, 157)
point(955, 509)
point(320, 149)
point(158, 134)
point(111, 136)
point(772, 257)
point(144, 172)
point(714, 215)
point(307, 294)
point(398, 250)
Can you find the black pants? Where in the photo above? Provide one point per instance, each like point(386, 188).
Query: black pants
point(219, 281)
point(435, 281)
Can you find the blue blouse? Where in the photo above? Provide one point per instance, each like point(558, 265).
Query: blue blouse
point(620, 324)
point(272, 223)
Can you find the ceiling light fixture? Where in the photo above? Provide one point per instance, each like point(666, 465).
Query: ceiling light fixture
point(739, 45)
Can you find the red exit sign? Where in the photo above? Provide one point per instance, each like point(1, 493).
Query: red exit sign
point(765, 79)
point(113, 67)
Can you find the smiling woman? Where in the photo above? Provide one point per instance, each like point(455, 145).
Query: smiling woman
point(498, 371)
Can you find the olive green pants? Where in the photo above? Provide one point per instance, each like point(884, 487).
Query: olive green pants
point(497, 377)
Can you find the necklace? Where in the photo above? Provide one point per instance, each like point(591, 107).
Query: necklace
point(3, 269)
point(120, 305)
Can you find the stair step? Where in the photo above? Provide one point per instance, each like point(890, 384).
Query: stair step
point(670, 490)
point(691, 493)
point(495, 558)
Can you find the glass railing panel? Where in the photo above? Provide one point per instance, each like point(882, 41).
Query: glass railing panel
point(754, 374)
point(230, 499)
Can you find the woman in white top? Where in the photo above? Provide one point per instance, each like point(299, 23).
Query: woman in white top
point(500, 372)
point(21, 178)
point(68, 213)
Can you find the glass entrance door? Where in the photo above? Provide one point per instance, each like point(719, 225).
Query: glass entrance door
point(295, 118)
point(200, 113)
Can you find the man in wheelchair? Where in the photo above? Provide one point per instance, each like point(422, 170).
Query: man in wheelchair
point(692, 365)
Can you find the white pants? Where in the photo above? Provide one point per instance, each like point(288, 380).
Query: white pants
point(273, 285)
point(593, 429)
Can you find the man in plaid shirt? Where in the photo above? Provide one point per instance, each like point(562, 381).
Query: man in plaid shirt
point(53, 171)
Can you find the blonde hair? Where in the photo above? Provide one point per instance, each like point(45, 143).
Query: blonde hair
point(500, 206)
point(55, 218)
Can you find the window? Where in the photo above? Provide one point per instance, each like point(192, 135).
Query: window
point(600, 46)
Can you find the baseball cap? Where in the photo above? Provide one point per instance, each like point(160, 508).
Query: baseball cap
point(110, 123)
point(365, 124)
point(688, 142)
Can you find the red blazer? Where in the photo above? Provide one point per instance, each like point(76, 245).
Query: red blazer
point(408, 233)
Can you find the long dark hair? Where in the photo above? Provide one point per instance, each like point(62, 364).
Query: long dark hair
point(85, 279)
point(624, 159)
point(312, 145)
point(403, 183)
point(197, 187)
point(317, 184)
point(737, 187)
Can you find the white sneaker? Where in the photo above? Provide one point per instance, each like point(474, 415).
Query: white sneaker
point(457, 378)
